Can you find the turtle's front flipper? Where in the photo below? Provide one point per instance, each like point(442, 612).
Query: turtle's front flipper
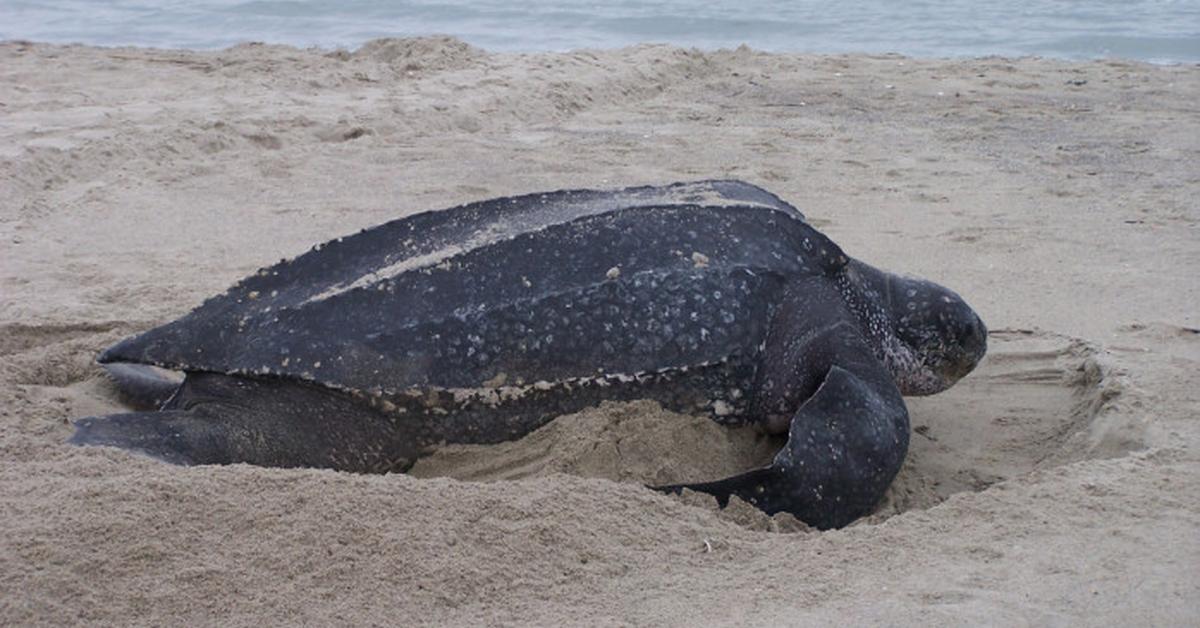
point(848, 432)
point(845, 445)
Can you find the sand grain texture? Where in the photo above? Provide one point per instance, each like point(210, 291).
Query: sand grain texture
point(1059, 484)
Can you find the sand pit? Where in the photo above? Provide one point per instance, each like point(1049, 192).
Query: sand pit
point(1033, 404)
point(1058, 484)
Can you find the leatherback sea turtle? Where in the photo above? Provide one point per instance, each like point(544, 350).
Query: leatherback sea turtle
point(480, 323)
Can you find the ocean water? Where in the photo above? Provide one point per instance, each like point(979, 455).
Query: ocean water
point(1160, 31)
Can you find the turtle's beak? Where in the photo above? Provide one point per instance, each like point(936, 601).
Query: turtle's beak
point(972, 346)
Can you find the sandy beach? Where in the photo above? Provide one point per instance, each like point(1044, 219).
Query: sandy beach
point(1058, 484)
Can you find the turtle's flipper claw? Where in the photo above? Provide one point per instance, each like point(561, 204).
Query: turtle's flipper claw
point(750, 483)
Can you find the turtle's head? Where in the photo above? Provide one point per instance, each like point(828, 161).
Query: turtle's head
point(944, 337)
point(925, 334)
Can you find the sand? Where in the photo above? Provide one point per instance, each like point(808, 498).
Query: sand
point(1058, 484)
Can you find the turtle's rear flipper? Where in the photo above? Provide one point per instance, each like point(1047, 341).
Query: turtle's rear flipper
point(845, 445)
point(218, 419)
point(143, 387)
point(175, 436)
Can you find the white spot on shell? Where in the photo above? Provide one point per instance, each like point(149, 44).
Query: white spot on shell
point(613, 272)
